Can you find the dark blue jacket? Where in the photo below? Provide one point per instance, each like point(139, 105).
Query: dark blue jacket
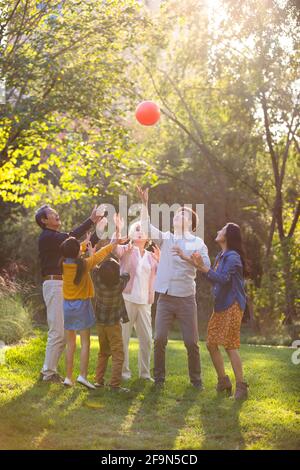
point(49, 246)
point(228, 281)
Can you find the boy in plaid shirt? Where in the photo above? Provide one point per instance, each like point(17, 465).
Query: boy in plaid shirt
point(109, 311)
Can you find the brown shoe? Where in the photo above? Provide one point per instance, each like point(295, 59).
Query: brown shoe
point(224, 385)
point(54, 378)
point(99, 385)
point(241, 391)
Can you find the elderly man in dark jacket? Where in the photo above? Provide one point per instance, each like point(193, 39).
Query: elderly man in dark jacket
point(49, 252)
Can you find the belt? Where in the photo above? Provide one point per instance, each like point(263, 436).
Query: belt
point(53, 277)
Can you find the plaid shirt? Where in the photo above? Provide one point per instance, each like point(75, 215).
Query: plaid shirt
point(109, 303)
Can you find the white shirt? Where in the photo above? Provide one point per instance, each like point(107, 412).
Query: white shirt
point(140, 288)
point(175, 276)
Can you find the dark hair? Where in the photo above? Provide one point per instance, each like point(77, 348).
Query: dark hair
point(70, 249)
point(195, 218)
point(109, 272)
point(234, 242)
point(40, 214)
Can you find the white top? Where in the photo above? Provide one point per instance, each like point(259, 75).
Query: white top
point(140, 287)
point(175, 276)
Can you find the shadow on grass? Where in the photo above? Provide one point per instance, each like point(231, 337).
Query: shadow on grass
point(220, 419)
point(53, 417)
point(190, 420)
point(179, 416)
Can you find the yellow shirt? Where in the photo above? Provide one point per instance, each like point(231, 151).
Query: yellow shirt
point(85, 288)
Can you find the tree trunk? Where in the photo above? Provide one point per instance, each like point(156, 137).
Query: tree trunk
point(290, 295)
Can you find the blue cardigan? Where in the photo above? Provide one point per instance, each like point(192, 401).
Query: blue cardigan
point(228, 281)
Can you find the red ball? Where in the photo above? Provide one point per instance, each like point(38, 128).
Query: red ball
point(147, 113)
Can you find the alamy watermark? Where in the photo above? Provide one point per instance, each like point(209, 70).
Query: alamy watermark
point(162, 216)
point(296, 354)
point(2, 353)
point(2, 92)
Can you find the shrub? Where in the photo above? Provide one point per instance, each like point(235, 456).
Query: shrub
point(15, 319)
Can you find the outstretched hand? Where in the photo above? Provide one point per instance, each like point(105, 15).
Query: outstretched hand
point(143, 194)
point(156, 253)
point(98, 213)
point(94, 217)
point(177, 251)
point(87, 244)
point(198, 262)
point(119, 222)
point(195, 259)
point(117, 238)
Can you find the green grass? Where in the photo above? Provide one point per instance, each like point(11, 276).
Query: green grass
point(34, 415)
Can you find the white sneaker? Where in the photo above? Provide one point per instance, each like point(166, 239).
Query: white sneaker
point(85, 382)
point(67, 382)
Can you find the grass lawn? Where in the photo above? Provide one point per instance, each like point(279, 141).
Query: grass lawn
point(34, 415)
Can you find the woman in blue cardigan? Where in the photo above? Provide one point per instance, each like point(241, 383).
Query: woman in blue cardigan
point(227, 278)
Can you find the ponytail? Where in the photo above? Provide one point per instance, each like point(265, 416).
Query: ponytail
point(81, 265)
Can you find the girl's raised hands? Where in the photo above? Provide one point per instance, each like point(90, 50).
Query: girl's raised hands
point(87, 245)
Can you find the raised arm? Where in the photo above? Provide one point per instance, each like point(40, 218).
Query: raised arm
point(120, 250)
point(152, 232)
point(177, 251)
point(78, 232)
point(100, 229)
point(233, 265)
point(200, 252)
point(99, 256)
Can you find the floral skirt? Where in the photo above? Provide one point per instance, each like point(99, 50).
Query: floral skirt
point(224, 327)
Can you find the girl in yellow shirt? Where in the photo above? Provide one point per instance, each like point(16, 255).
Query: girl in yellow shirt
point(78, 290)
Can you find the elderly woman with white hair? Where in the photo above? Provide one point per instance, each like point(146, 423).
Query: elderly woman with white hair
point(141, 265)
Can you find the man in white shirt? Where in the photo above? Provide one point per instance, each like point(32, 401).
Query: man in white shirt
point(175, 282)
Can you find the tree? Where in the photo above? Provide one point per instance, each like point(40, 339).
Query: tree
point(64, 65)
point(268, 34)
point(228, 81)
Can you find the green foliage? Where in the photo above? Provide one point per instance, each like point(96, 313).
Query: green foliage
point(15, 319)
point(63, 138)
point(227, 83)
point(270, 298)
point(76, 162)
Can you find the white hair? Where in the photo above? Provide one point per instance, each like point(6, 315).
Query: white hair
point(132, 228)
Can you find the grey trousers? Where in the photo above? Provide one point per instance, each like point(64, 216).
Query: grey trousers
point(184, 309)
